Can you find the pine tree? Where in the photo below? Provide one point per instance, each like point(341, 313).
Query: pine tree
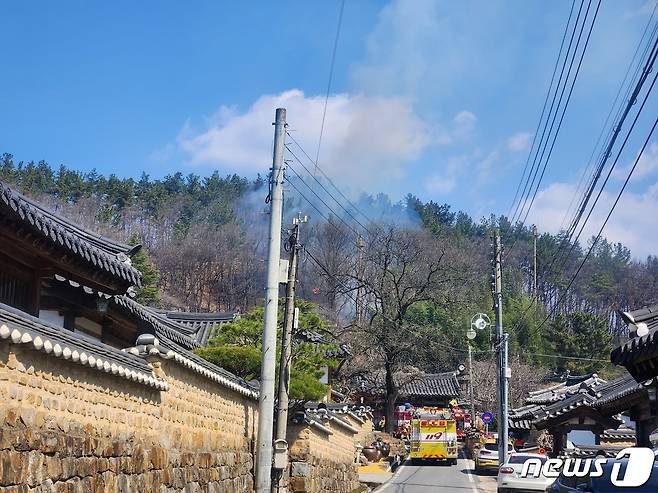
point(149, 293)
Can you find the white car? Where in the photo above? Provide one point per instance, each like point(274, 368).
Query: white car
point(509, 475)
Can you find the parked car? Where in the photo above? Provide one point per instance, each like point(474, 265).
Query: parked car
point(486, 458)
point(603, 484)
point(509, 475)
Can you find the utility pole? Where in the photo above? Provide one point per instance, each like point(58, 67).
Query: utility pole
point(534, 260)
point(268, 356)
point(501, 345)
point(360, 244)
point(290, 321)
point(470, 385)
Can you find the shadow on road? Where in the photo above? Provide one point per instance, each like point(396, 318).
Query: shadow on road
point(429, 463)
point(480, 473)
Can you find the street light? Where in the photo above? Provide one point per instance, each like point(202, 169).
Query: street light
point(479, 321)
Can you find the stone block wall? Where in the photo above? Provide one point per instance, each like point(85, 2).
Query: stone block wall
point(320, 461)
point(365, 427)
point(66, 428)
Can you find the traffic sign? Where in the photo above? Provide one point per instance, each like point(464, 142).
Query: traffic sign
point(487, 417)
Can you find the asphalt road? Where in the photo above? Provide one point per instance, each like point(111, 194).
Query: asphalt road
point(439, 478)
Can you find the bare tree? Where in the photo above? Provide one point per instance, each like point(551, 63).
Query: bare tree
point(400, 268)
point(525, 378)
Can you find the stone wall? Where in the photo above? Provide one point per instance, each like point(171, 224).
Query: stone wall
point(69, 428)
point(322, 460)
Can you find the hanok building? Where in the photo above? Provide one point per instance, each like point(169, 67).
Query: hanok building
point(431, 389)
point(639, 355)
point(71, 369)
point(584, 404)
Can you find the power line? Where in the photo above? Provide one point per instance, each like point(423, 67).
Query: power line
point(535, 164)
point(604, 157)
point(598, 236)
point(318, 168)
point(541, 116)
point(331, 76)
point(524, 353)
point(615, 134)
point(325, 189)
point(569, 240)
point(591, 160)
point(489, 351)
point(522, 203)
point(319, 198)
point(522, 317)
point(550, 152)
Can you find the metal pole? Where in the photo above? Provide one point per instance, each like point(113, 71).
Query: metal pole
point(502, 353)
point(470, 386)
point(360, 244)
point(268, 357)
point(534, 257)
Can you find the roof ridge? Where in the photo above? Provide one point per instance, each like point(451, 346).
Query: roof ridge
point(100, 251)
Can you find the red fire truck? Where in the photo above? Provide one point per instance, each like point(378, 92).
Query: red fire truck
point(463, 420)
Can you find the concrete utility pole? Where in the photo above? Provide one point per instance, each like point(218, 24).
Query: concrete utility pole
point(268, 357)
point(501, 345)
point(291, 318)
point(534, 261)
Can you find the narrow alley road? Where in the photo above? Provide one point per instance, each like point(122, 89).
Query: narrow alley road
point(439, 478)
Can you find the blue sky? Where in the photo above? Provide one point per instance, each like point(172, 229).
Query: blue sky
point(431, 97)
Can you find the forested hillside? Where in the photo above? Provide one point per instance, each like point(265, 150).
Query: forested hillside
point(205, 236)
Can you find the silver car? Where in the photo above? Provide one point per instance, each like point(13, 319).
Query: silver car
point(509, 475)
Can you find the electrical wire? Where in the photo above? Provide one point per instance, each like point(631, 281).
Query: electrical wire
point(541, 116)
point(550, 152)
point(648, 66)
point(570, 240)
point(489, 351)
point(598, 236)
point(536, 164)
point(331, 77)
point(605, 127)
point(326, 191)
point(321, 214)
point(531, 202)
point(317, 166)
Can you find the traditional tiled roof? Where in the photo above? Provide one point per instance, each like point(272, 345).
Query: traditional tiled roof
point(640, 353)
point(521, 418)
point(432, 385)
point(527, 411)
point(17, 327)
point(564, 406)
point(321, 417)
point(201, 323)
point(560, 399)
point(332, 350)
point(618, 390)
point(609, 451)
point(620, 434)
point(99, 252)
point(168, 349)
point(579, 402)
point(515, 423)
point(635, 348)
point(557, 392)
point(162, 326)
